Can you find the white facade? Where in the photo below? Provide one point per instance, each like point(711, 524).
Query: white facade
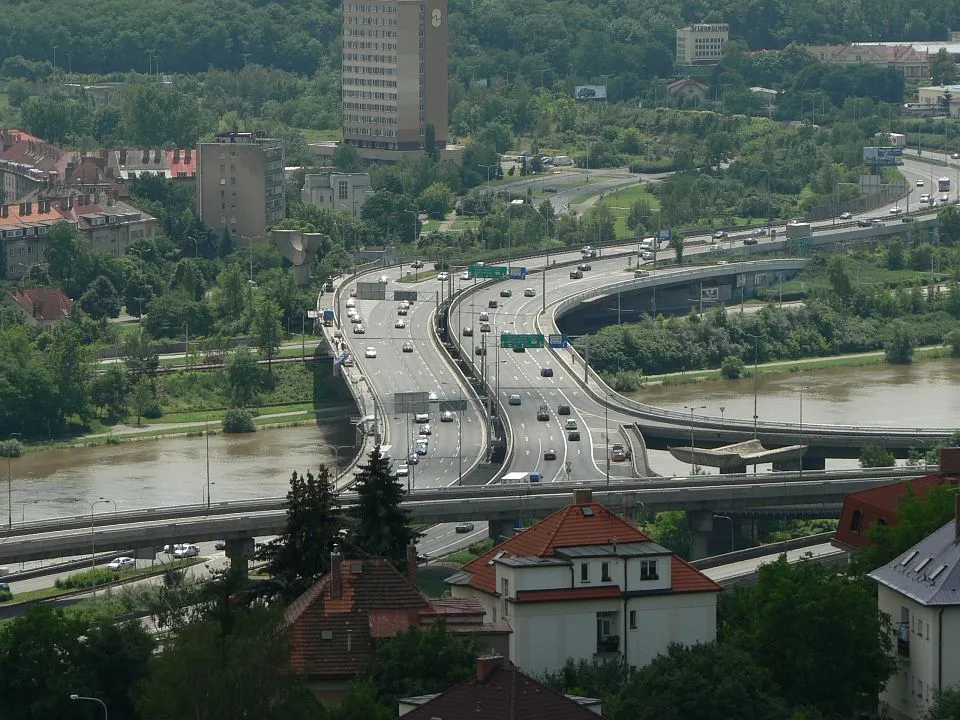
point(343, 192)
point(702, 44)
point(928, 646)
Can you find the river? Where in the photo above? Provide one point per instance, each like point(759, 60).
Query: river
point(922, 394)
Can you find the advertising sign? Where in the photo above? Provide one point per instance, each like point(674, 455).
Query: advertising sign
point(590, 92)
point(880, 156)
point(709, 294)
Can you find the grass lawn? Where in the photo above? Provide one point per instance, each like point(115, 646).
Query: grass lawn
point(466, 223)
point(315, 136)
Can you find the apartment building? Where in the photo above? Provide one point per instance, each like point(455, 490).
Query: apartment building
point(911, 62)
point(702, 43)
point(344, 192)
point(240, 185)
point(393, 75)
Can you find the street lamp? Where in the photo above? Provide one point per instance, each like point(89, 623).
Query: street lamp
point(802, 388)
point(206, 438)
point(756, 354)
point(13, 448)
point(336, 454)
point(93, 546)
point(93, 699)
point(693, 466)
point(729, 520)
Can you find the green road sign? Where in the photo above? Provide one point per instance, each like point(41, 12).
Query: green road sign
point(515, 340)
point(487, 271)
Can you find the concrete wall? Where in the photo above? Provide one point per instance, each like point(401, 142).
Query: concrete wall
point(686, 618)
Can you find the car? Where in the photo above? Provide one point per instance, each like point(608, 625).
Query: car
point(919, 183)
point(944, 198)
point(492, 304)
point(186, 550)
point(484, 316)
point(573, 436)
point(121, 563)
point(519, 349)
point(443, 277)
point(468, 331)
point(506, 293)
point(546, 372)
point(876, 223)
point(895, 211)
point(846, 215)
point(646, 255)
point(446, 416)
point(585, 267)
point(485, 327)
point(370, 352)
point(719, 235)
point(543, 414)
point(416, 264)
point(563, 409)
point(576, 274)
point(408, 346)
point(421, 418)
point(863, 223)
point(570, 424)
point(402, 311)
point(403, 470)
point(351, 303)
point(955, 156)
point(433, 397)
point(762, 232)
point(421, 447)
point(529, 292)
point(356, 319)
point(425, 430)
point(549, 454)
point(480, 350)
point(515, 399)
point(348, 361)
point(358, 330)
point(750, 241)
point(464, 527)
point(353, 292)
point(405, 304)
point(550, 189)
point(465, 275)
point(413, 459)
point(400, 324)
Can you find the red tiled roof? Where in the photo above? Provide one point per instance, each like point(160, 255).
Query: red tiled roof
point(14, 217)
point(684, 577)
point(43, 303)
point(503, 693)
point(333, 636)
point(180, 164)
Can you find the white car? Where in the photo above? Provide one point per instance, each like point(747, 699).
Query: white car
point(185, 551)
point(351, 303)
point(944, 198)
point(402, 471)
point(529, 292)
point(358, 330)
point(919, 183)
point(121, 563)
point(846, 215)
point(465, 275)
point(433, 397)
point(370, 352)
point(895, 211)
point(442, 277)
point(400, 324)
point(426, 430)
point(646, 255)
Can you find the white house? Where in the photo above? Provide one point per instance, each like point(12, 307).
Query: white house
point(920, 590)
point(344, 192)
point(586, 584)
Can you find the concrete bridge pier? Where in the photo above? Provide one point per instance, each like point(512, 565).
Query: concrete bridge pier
point(501, 529)
point(793, 464)
point(747, 529)
point(240, 551)
point(701, 527)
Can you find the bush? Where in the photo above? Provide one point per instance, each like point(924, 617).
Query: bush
point(732, 367)
point(899, 343)
point(238, 420)
point(952, 339)
point(874, 456)
point(153, 410)
point(85, 579)
point(625, 381)
point(5, 594)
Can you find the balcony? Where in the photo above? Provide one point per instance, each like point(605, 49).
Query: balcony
point(903, 640)
point(608, 648)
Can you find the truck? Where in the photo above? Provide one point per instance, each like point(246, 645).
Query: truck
point(328, 317)
point(894, 140)
point(799, 230)
point(520, 477)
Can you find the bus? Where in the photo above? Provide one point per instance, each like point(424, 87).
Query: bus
point(943, 184)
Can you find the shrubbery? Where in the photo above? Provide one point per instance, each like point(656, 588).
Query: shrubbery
point(85, 579)
point(238, 420)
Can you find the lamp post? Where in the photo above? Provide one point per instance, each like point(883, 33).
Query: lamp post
point(729, 520)
point(802, 388)
point(93, 699)
point(693, 465)
point(93, 539)
point(196, 246)
point(11, 448)
point(206, 438)
point(336, 454)
point(416, 224)
point(756, 354)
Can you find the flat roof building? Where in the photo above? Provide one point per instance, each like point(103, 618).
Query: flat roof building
point(702, 43)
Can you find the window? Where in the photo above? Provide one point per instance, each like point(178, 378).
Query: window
point(342, 188)
point(648, 570)
point(223, 181)
point(856, 521)
point(584, 572)
point(605, 572)
point(504, 593)
point(633, 619)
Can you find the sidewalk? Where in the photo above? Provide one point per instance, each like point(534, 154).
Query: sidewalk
point(215, 425)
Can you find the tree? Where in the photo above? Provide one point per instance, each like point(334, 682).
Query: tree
point(947, 704)
point(382, 528)
point(676, 244)
point(101, 300)
point(895, 256)
point(874, 456)
point(430, 143)
point(137, 293)
point(952, 339)
point(899, 344)
point(243, 673)
point(243, 377)
point(436, 200)
point(818, 633)
point(46, 654)
point(301, 553)
point(838, 270)
point(705, 682)
point(141, 357)
point(65, 256)
point(109, 391)
point(943, 69)
point(639, 215)
point(232, 293)
point(71, 360)
point(347, 159)
point(266, 328)
point(141, 398)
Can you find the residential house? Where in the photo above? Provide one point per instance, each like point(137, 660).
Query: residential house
point(28, 164)
point(22, 229)
point(41, 307)
point(688, 92)
point(337, 623)
point(585, 584)
point(861, 510)
point(913, 63)
point(497, 691)
point(343, 192)
point(920, 590)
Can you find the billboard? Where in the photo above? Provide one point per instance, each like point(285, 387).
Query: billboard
point(880, 156)
point(590, 92)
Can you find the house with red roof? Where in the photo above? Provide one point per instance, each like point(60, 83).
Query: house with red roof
point(499, 690)
point(41, 307)
point(337, 623)
point(861, 510)
point(584, 583)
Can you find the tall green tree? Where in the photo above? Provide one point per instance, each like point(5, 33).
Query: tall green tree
point(266, 328)
point(382, 525)
point(109, 391)
point(232, 294)
point(141, 357)
point(101, 299)
point(817, 632)
point(71, 362)
point(899, 344)
point(243, 377)
point(301, 553)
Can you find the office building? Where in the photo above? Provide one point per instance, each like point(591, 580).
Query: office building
point(394, 76)
point(343, 192)
point(702, 44)
point(240, 185)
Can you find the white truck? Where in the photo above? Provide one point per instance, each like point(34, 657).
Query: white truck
point(519, 477)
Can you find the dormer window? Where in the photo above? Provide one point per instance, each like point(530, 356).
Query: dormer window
point(584, 572)
point(605, 572)
point(648, 570)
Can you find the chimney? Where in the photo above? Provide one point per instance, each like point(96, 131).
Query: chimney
point(176, 155)
point(123, 158)
point(146, 156)
point(412, 563)
point(4, 211)
point(486, 665)
point(103, 154)
point(582, 497)
point(336, 581)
